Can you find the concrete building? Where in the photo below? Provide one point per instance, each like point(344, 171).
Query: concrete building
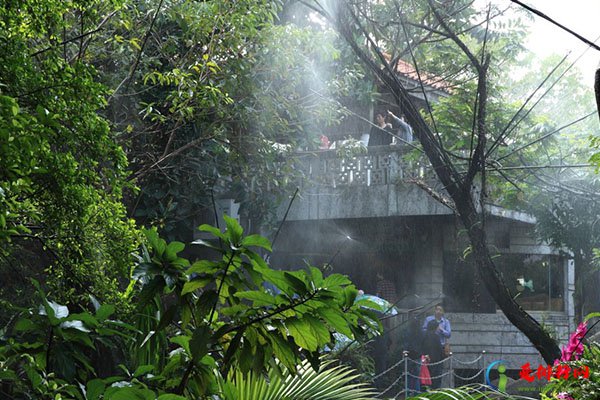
point(366, 215)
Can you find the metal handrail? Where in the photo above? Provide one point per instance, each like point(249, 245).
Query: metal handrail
point(406, 374)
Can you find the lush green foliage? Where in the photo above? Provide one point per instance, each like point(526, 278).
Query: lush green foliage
point(45, 351)
point(61, 171)
point(202, 321)
point(227, 318)
point(218, 102)
point(567, 219)
point(556, 133)
point(357, 355)
point(210, 98)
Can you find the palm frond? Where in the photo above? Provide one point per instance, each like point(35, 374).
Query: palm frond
point(334, 383)
point(470, 392)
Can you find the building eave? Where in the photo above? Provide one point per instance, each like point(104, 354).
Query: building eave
point(501, 212)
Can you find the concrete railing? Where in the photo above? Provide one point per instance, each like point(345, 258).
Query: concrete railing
point(377, 165)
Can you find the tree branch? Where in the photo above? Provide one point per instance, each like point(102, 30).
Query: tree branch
point(547, 18)
point(435, 195)
point(78, 37)
point(276, 311)
point(127, 80)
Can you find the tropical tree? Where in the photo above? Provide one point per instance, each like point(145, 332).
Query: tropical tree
point(562, 196)
point(212, 99)
point(568, 219)
point(227, 320)
point(62, 173)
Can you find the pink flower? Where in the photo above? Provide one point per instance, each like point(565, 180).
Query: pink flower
point(575, 346)
point(564, 396)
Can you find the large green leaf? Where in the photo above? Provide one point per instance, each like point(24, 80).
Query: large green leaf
point(76, 335)
point(192, 286)
point(302, 332)
point(257, 240)
point(211, 229)
point(234, 230)
point(349, 294)
point(25, 325)
point(105, 311)
point(183, 341)
point(199, 342)
point(317, 276)
point(203, 267)
point(158, 244)
point(334, 280)
point(129, 393)
point(295, 282)
point(172, 249)
point(335, 320)
point(94, 389)
point(283, 351)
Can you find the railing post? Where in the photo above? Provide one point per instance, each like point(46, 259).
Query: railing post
point(483, 366)
point(405, 355)
point(450, 357)
point(394, 172)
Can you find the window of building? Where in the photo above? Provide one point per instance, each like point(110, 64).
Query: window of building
point(536, 281)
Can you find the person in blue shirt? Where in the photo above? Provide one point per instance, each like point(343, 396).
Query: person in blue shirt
point(443, 330)
point(405, 131)
point(439, 328)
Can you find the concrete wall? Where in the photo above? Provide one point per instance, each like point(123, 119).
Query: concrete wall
point(362, 202)
point(491, 336)
point(429, 264)
point(474, 333)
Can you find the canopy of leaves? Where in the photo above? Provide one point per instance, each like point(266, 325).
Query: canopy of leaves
point(61, 171)
point(218, 101)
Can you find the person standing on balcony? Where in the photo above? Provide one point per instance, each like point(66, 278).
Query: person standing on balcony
point(381, 133)
point(405, 131)
point(324, 142)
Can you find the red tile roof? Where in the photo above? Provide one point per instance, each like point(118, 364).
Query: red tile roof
point(407, 70)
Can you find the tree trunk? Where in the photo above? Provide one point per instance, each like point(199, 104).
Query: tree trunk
point(597, 90)
point(496, 286)
point(472, 220)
